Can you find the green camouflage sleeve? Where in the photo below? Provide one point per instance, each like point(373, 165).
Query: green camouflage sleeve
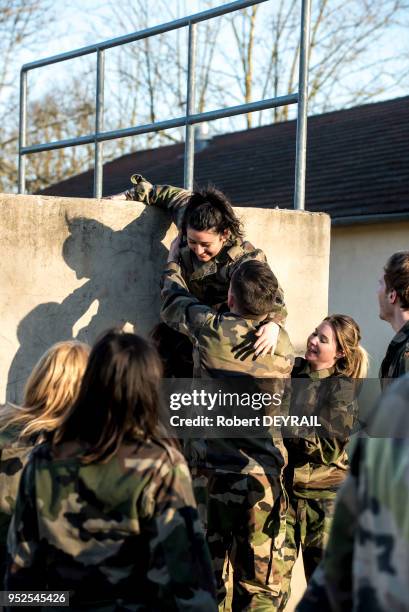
point(330, 587)
point(180, 566)
point(180, 309)
point(167, 197)
point(12, 462)
point(24, 565)
point(279, 312)
point(333, 401)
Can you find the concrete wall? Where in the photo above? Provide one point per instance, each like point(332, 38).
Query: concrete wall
point(70, 268)
point(358, 254)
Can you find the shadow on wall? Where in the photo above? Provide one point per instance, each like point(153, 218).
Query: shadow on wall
point(122, 270)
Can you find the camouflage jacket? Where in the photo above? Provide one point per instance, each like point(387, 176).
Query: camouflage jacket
point(116, 534)
point(208, 281)
point(366, 563)
point(318, 458)
point(13, 457)
point(223, 348)
point(396, 361)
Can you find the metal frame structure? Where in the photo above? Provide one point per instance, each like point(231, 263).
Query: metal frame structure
point(190, 119)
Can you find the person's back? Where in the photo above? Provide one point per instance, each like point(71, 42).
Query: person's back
point(111, 532)
point(105, 508)
point(223, 342)
point(225, 348)
point(238, 480)
point(366, 564)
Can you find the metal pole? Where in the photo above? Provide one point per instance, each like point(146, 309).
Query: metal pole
point(22, 133)
point(218, 11)
point(158, 126)
point(301, 146)
point(190, 109)
point(99, 125)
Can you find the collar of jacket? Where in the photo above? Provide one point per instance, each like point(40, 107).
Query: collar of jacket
point(402, 335)
point(316, 374)
point(229, 253)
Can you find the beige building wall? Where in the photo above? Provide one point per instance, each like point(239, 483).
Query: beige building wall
point(358, 254)
point(70, 268)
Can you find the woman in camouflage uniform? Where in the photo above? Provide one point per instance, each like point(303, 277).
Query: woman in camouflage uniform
point(211, 247)
point(51, 389)
point(105, 507)
point(324, 384)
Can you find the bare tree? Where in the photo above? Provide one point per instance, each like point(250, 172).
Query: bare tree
point(58, 114)
point(149, 80)
point(344, 35)
point(245, 46)
point(248, 55)
point(20, 23)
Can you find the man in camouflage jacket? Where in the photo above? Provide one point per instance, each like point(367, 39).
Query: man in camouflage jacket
point(237, 482)
point(366, 563)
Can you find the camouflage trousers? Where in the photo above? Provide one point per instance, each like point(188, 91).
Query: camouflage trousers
point(308, 525)
point(244, 520)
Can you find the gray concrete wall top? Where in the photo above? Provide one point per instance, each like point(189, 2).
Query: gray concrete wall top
point(70, 268)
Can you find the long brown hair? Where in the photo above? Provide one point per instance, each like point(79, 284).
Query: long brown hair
point(50, 390)
point(119, 397)
point(354, 362)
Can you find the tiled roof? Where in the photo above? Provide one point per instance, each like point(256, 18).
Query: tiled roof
point(357, 164)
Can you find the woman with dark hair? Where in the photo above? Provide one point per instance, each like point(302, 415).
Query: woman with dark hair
point(326, 383)
point(105, 507)
point(211, 247)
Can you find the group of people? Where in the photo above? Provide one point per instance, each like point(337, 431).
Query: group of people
point(99, 501)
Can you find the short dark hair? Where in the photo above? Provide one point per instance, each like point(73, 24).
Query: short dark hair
point(397, 276)
point(254, 288)
point(119, 398)
point(209, 209)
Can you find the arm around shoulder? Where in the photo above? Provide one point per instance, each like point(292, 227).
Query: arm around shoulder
point(180, 309)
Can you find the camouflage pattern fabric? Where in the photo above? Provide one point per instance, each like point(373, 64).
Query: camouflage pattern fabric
point(319, 458)
point(121, 535)
point(366, 562)
point(308, 524)
point(208, 281)
point(223, 342)
point(396, 361)
point(318, 461)
point(237, 482)
point(13, 457)
point(244, 518)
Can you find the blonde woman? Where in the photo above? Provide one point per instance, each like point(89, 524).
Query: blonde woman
point(51, 389)
point(331, 371)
